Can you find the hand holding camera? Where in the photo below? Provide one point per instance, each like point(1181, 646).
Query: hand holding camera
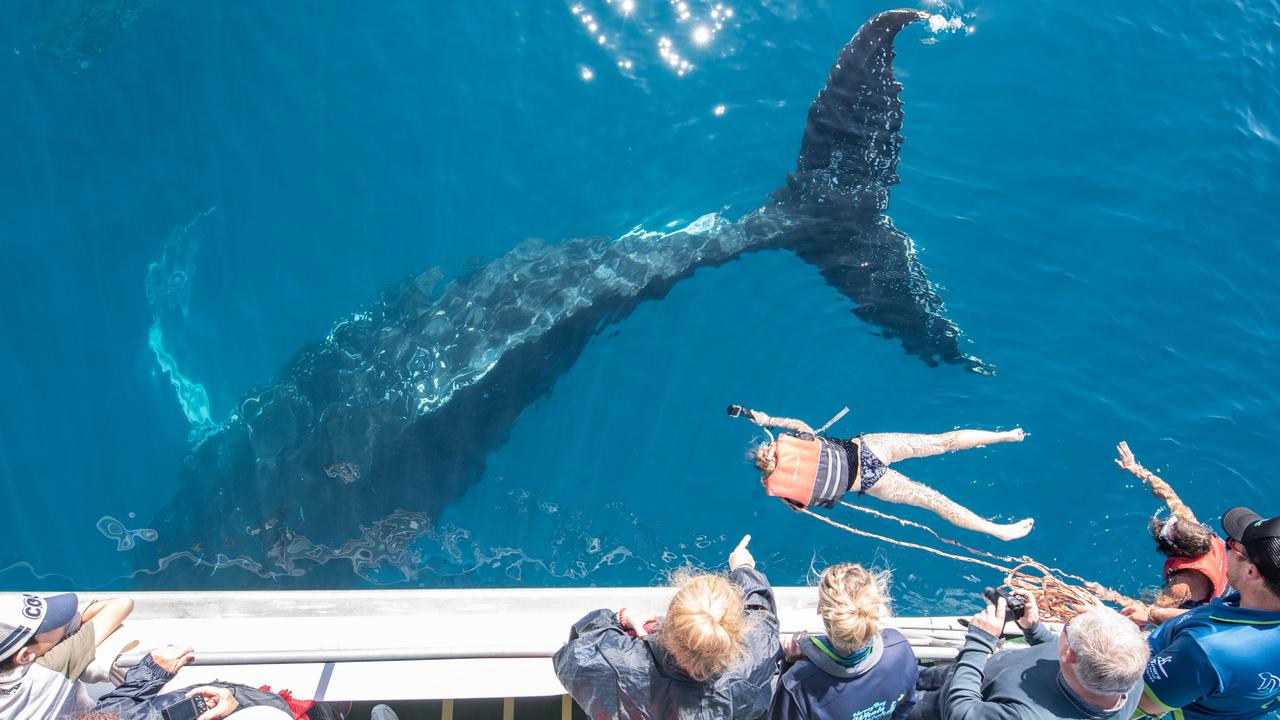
point(1005, 606)
point(1030, 612)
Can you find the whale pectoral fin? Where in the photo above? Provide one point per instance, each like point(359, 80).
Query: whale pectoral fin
point(876, 267)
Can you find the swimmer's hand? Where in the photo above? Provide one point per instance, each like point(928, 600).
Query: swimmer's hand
point(741, 556)
point(1139, 614)
point(1127, 460)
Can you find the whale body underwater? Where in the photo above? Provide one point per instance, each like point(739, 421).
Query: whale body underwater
point(365, 436)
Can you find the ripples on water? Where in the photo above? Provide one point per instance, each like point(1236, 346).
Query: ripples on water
point(1092, 185)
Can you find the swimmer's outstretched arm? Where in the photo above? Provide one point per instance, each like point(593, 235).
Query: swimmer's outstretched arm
point(1143, 615)
point(1159, 488)
point(796, 426)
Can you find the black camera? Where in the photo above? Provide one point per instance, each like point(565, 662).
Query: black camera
point(1015, 606)
point(185, 709)
point(736, 411)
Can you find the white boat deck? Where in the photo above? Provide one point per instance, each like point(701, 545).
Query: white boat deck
point(415, 644)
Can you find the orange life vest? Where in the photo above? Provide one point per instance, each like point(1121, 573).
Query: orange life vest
point(810, 471)
point(1212, 564)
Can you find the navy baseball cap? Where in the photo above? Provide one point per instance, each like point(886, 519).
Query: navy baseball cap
point(1259, 537)
point(22, 617)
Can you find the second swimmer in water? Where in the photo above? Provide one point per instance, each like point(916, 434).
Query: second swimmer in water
point(807, 468)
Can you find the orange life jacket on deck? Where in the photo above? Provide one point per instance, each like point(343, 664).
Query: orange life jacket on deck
point(1213, 565)
point(810, 471)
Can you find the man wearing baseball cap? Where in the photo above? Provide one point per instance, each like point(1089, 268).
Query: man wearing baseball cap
point(45, 644)
point(1222, 660)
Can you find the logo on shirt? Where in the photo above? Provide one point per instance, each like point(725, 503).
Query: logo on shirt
point(879, 710)
point(1269, 684)
point(1156, 668)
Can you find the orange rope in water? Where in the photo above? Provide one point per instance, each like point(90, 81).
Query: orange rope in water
point(1019, 560)
point(903, 543)
point(1057, 599)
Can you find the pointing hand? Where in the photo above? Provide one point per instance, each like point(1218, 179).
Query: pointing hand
point(741, 556)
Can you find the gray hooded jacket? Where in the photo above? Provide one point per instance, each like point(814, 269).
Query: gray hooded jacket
point(613, 675)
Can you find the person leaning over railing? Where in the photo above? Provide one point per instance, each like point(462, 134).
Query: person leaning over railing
point(712, 655)
point(858, 669)
point(1092, 672)
point(45, 645)
point(1221, 661)
point(1195, 568)
point(139, 696)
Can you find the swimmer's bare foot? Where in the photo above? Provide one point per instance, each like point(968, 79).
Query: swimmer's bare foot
point(1013, 531)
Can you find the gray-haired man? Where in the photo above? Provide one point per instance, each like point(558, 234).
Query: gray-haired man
point(1093, 671)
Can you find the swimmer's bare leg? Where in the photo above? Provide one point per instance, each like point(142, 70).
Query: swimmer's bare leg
point(895, 487)
point(892, 447)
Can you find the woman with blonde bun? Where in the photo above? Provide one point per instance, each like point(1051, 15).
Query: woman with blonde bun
point(859, 669)
point(711, 656)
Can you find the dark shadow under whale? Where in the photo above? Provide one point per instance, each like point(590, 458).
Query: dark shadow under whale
point(368, 434)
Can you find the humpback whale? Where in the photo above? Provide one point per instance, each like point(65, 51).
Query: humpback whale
point(372, 431)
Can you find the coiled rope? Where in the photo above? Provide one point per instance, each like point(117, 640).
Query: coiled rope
point(1057, 599)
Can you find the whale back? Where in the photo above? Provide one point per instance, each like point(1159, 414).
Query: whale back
point(367, 435)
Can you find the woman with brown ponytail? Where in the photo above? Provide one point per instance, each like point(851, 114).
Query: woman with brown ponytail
point(711, 656)
point(859, 669)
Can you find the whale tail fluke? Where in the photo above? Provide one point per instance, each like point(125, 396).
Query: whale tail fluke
point(848, 161)
point(851, 139)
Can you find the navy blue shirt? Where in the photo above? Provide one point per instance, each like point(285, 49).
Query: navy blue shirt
point(1217, 662)
point(821, 686)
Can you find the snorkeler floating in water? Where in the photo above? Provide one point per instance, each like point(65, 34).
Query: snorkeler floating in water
point(1195, 568)
point(806, 468)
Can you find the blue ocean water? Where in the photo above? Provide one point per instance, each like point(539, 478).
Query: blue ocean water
point(1093, 186)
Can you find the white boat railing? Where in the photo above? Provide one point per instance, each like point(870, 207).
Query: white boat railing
point(415, 644)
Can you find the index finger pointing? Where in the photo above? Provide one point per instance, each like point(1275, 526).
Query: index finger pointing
point(743, 545)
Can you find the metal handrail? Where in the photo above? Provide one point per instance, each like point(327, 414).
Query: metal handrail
point(292, 657)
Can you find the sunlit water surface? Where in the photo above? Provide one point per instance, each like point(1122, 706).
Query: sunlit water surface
point(1092, 184)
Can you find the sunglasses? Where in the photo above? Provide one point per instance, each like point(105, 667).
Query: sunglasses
point(1238, 549)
